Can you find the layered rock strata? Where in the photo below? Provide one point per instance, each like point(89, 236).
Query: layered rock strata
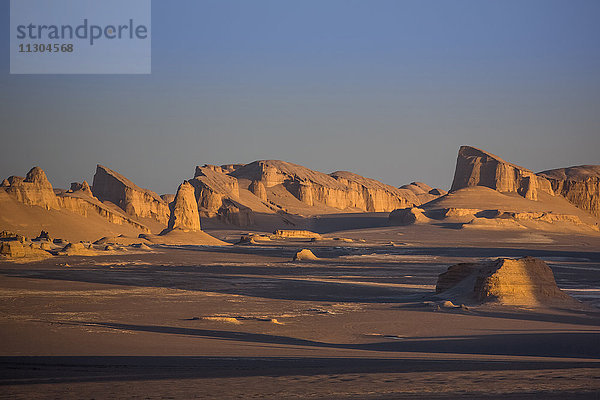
point(524, 281)
point(580, 185)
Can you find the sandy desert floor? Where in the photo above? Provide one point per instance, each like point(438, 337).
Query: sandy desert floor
point(247, 322)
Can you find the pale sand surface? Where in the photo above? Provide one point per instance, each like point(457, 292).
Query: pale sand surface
point(247, 322)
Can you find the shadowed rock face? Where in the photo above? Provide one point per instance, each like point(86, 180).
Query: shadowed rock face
point(258, 189)
point(234, 213)
point(184, 210)
point(83, 187)
point(34, 190)
point(475, 167)
point(407, 216)
point(580, 185)
point(524, 281)
point(111, 186)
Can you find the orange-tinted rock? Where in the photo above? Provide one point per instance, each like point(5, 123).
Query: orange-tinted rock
point(184, 210)
point(258, 189)
point(142, 203)
point(34, 189)
point(475, 167)
point(580, 185)
point(524, 281)
point(342, 190)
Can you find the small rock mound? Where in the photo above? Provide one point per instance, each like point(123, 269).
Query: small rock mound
point(82, 187)
point(408, 216)
point(252, 239)
point(14, 250)
point(141, 246)
point(44, 236)
point(77, 249)
point(525, 281)
point(304, 254)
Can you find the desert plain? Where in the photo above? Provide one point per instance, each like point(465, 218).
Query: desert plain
point(111, 291)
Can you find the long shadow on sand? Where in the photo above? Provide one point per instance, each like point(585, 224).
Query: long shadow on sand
point(582, 344)
point(27, 370)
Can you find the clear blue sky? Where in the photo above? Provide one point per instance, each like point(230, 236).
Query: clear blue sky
point(386, 89)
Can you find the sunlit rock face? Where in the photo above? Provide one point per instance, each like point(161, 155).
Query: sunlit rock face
point(341, 189)
point(184, 210)
point(212, 187)
point(475, 167)
point(523, 281)
point(111, 186)
point(580, 185)
point(34, 189)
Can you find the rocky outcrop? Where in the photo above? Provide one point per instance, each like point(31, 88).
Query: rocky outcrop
point(236, 214)
point(342, 190)
point(475, 167)
point(294, 234)
point(580, 185)
point(111, 186)
point(34, 189)
point(304, 255)
point(15, 250)
point(83, 187)
point(168, 198)
point(258, 189)
point(423, 192)
point(86, 205)
point(184, 210)
point(212, 186)
point(524, 281)
point(408, 216)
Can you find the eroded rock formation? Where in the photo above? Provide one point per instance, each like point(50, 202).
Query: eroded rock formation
point(580, 185)
point(341, 190)
point(294, 234)
point(83, 187)
point(524, 281)
point(475, 167)
point(423, 192)
point(212, 187)
point(111, 186)
point(258, 189)
point(184, 210)
point(408, 216)
point(234, 213)
point(304, 255)
point(34, 189)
